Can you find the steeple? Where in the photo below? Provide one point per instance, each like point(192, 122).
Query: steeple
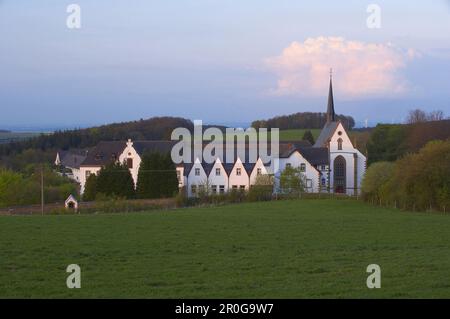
point(330, 109)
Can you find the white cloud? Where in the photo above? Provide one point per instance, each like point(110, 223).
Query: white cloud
point(360, 69)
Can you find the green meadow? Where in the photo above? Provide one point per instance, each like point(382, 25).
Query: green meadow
point(280, 249)
point(297, 134)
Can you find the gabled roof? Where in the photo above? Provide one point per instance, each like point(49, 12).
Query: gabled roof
point(72, 158)
point(326, 134)
point(104, 153)
point(143, 147)
point(315, 155)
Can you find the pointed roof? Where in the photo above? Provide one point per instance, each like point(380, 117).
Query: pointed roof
point(330, 108)
point(331, 124)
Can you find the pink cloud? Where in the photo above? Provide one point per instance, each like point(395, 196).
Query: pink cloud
point(361, 69)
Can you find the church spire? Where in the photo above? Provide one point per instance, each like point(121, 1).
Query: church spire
point(330, 109)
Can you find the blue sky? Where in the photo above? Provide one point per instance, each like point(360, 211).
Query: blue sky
point(222, 61)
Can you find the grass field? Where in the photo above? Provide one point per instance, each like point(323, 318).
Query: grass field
point(291, 249)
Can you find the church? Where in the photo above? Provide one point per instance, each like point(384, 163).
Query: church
point(332, 164)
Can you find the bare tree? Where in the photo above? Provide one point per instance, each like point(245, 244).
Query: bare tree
point(416, 116)
point(437, 115)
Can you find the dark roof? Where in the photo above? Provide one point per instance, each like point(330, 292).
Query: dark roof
point(330, 107)
point(72, 158)
point(143, 147)
point(326, 133)
point(104, 153)
point(315, 155)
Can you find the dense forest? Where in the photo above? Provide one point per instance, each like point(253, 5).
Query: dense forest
point(157, 128)
point(389, 142)
point(302, 120)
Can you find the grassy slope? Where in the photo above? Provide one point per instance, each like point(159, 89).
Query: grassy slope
point(310, 248)
point(297, 134)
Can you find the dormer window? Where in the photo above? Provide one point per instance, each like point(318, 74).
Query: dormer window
point(339, 141)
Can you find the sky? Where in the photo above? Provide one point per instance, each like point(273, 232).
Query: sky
point(221, 61)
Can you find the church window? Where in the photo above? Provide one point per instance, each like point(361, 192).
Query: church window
point(130, 163)
point(339, 144)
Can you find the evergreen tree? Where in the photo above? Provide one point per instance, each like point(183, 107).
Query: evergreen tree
point(157, 176)
point(115, 180)
point(307, 136)
point(90, 188)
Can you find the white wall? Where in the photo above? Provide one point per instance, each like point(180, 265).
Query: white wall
point(82, 176)
point(254, 173)
point(311, 173)
point(348, 152)
point(222, 179)
point(237, 180)
point(130, 152)
point(193, 179)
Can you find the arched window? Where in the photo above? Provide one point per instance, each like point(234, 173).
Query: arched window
point(339, 144)
point(339, 174)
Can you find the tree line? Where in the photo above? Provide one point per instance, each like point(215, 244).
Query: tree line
point(416, 181)
point(157, 128)
point(301, 120)
point(389, 142)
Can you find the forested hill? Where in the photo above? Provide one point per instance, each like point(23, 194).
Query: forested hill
point(302, 120)
point(156, 128)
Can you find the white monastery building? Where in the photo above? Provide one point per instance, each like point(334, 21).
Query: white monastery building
point(332, 164)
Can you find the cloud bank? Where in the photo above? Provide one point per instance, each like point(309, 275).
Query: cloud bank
point(360, 69)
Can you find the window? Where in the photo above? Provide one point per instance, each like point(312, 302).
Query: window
point(242, 187)
point(238, 171)
point(234, 187)
point(308, 183)
point(288, 165)
point(323, 167)
point(214, 189)
point(339, 144)
point(217, 171)
point(194, 189)
point(130, 163)
point(88, 173)
point(197, 172)
point(222, 189)
point(258, 171)
point(324, 181)
point(302, 167)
